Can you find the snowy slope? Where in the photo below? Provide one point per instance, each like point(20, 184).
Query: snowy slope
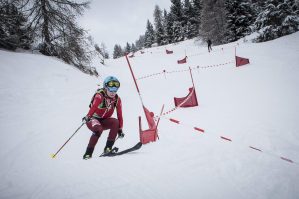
point(43, 101)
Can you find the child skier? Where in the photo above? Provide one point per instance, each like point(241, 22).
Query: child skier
point(99, 117)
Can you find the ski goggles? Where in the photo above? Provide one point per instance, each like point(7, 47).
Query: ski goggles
point(113, 84)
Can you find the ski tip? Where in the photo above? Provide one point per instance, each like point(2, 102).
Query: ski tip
point(53, 156)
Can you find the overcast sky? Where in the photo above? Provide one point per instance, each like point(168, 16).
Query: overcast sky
point(119, 21)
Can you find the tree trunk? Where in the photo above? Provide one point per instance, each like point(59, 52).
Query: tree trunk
point(45, 31)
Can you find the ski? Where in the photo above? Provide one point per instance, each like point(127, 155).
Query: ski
point(114, 151)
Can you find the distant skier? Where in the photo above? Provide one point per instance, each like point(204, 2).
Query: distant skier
point(209, 45)
point(99, 117)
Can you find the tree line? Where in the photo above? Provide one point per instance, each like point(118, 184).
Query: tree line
point(221, 21)
point(48, 26)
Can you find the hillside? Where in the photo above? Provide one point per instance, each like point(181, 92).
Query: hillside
point(43, 101)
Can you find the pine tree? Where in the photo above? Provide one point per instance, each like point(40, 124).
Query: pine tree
point(118, 52)
point(258, 5)
point(14, 33)
point(239, 18)
point(133, 48)
point(195, 20)
point(128, 48)
point(149, 35)
point(140, 42)
point(167, 26)
point(176, 15)
point(213, 21)
point(178, 31)
point(189, 20)
point(159, 30)
point(277, 19)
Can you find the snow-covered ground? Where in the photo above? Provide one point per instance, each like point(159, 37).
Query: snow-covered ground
point(43, 101)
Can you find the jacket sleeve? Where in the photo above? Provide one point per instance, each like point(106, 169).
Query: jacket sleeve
point(98, 98)
point(119, 113)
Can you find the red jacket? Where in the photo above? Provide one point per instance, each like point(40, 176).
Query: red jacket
point(103, 107)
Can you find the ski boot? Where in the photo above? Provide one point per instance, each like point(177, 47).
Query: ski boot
point(108, 148)
point(88, 153)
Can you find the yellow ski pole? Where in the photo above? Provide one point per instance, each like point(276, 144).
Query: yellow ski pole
point(54, 155)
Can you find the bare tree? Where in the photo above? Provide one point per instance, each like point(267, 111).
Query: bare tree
point(103, 53)
point(56, 30)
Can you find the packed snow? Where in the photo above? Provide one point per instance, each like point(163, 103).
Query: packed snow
point(43, 101)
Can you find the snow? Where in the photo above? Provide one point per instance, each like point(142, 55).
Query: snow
point(43, 101)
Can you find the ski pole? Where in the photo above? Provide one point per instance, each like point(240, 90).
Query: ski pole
point(54, 155)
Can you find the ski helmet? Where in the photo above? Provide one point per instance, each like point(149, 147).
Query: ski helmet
point(111, 84)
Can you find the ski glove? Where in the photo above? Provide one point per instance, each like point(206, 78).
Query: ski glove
point(86, 119)
point(120, 133)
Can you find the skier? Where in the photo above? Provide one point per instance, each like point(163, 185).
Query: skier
point(99, 117)
point(209, 45)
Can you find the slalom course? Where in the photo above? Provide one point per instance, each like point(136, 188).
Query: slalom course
point(150, 135)
point(241, 141)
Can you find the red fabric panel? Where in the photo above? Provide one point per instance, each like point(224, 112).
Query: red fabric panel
point(182, 61)
point(149, 135)
point(150, 118)
point(169, 51)
point(191, 102)
point(240, 61)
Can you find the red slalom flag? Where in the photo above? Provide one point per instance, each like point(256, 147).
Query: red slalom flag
point(189, 101)
point(240, 61)
point(183, 61)
point(169, 51)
